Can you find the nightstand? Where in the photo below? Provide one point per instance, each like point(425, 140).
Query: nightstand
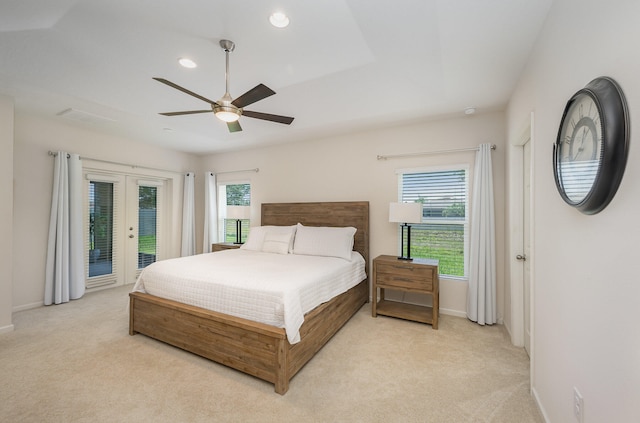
point(224, 246)
point(417, 275)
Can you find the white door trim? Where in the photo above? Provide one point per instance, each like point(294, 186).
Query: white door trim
point(516, 238)
point(516, 231)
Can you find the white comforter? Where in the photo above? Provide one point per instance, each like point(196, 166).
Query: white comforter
point(276, 289)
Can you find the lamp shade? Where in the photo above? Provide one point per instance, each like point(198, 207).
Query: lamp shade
point(238, 212)
point(405, 212)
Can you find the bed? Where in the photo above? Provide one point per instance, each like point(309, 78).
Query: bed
point(255, 348)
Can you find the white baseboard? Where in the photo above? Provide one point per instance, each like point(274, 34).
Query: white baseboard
point(6, 329)
point(540, 407)
point(27, 307)
point(450, 312)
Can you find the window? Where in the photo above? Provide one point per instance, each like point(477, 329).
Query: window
point(238, 194)
point(443, 233)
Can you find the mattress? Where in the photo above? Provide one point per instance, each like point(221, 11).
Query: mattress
point(275, 289)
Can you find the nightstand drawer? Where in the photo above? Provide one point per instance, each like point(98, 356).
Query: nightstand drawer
point(405, 270)
point(405, 282)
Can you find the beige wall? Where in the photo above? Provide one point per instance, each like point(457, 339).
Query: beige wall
point(6, 212)
point(337, 168)
point(33, 172)
point(586, 287)
point(343, 168)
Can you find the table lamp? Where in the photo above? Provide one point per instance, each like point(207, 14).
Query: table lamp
point(405, 213)
point(238, 213)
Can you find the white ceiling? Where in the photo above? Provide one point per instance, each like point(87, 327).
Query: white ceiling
point(340, 66)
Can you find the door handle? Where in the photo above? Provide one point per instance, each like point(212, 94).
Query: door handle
point(131, 236)
point(521, 257)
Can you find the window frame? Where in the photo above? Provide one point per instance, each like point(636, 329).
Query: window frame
point(464, 223)
point(222, 209)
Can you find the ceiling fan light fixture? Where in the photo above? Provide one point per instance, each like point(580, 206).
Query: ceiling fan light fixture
point(279, 20)
point(187, 63)
point(227, 114)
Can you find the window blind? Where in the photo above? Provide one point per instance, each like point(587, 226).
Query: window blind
point(443, 233)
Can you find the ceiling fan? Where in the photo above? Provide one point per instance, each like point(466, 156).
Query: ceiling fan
point(227, 109)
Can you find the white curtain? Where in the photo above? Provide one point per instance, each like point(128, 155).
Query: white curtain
point(481, 298)
point(188, 217)
point(210, 212)
point(64, 278)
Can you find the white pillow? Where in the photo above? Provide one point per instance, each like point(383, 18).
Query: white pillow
point(255, 239)
point(259, 234)
point(324, 241)
point(276, 242)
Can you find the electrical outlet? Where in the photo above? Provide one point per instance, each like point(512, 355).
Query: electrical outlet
point(578, 405)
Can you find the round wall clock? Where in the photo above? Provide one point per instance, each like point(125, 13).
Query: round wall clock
point(591, 150)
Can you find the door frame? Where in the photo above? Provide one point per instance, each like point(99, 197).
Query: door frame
point(115, 278)
point(172, 211)
point(516, 238)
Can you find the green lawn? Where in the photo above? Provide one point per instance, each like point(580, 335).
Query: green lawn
point(147, 244)
point(445, 245)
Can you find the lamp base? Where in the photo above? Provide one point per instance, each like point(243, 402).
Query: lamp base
point(238, 232)
point(406, 258)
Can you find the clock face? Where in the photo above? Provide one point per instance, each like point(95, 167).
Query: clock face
point(591, 150)
point(580, 147)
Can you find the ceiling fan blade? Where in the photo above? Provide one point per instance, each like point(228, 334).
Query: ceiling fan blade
point(187, 112)
point(256, 93)
point(234, 126)
point(184, 90)
point(266, 116)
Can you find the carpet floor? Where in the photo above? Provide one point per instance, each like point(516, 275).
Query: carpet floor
point(77, 363)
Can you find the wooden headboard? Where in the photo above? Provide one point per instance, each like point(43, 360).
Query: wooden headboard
point(344, 213)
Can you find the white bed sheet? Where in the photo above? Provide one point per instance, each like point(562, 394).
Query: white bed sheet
point(276, 289)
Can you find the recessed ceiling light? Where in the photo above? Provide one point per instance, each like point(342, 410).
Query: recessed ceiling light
point(187, 63)
point(279, 19)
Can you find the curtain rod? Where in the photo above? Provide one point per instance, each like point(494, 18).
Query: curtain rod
point(51, 153)
point(428, 153)
point(256, 170)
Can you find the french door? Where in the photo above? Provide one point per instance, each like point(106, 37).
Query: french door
point(143, 242)
point(123, 226)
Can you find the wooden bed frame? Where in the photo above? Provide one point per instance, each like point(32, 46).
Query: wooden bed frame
point(254, 348)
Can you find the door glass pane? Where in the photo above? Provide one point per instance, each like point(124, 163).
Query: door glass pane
point(147, 225)
point(100, 228)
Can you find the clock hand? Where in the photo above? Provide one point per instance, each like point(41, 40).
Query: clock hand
point(584, 135)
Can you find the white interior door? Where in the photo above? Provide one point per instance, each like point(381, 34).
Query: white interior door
point(144, 224)
point(526, 238)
